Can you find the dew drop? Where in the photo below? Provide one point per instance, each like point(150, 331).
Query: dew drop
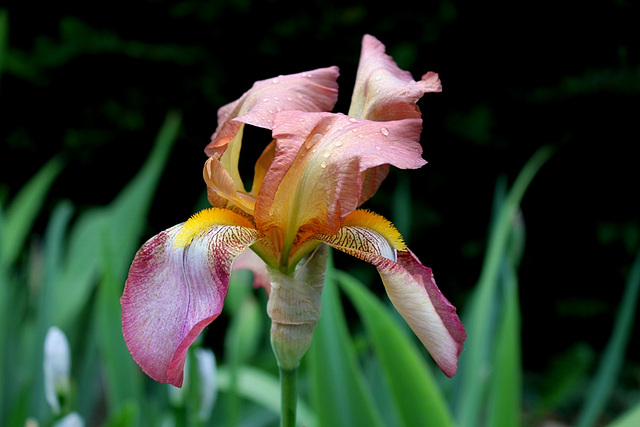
point(265, 100)
point(353, 120)
point(323, 165)
point(326, 154)
point(289, 98)
point(377, 148)
point(384, 131)
point(360, 136)
point(338, 143)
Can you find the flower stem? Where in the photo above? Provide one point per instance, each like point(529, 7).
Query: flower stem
point(289, 397)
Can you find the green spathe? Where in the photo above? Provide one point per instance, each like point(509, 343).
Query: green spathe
point(294, 307)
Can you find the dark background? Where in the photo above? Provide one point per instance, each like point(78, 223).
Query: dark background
point(93, 82)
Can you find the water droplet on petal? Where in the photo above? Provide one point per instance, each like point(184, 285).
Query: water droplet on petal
point(353, 120)
point(289, 98)
point(360, 136)
point(265, 100)
point(323, 165)
point(384, 131)
point(326, 154)
point(377, 148)
point(338, 143)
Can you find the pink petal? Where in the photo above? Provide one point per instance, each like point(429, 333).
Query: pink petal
point(172, 293)
point(316, 177)
point(315, 90)
point(412, 290)
point(383, 91)
point(248, 260)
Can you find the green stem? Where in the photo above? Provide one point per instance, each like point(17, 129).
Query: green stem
point(288, 394)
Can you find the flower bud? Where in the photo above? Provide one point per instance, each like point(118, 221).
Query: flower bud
point(56, 364)
point(294, 307)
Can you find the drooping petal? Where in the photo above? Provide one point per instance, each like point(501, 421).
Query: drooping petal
point(383, 91)
point(315, 179)
point(315, 90)
point(409, 285)
point(176, 287)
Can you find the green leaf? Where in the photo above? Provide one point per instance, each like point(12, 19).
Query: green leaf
point(416, 395)
point(506, 377)
point(611, 362)
point(631, 418)
point(54, 236)
point(339, 390)
point(123, 375)
point(79, 273)
point(242, 336)
point(24, 209)
point(128, 212)
point(126, 416)
point(264, 389)
point(471, 379)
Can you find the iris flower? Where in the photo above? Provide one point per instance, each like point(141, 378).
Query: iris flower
point(309, 183)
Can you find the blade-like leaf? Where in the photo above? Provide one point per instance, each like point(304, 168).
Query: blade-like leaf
point(24, 209)
point(631, 418)
point(128, 212)
point(338, 387)
point(506, 378)
point(471, 379)
point(264, 389)
point(611, 362)
point(79, 273)
point(417, 398)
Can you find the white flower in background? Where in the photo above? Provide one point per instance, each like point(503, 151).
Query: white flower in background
point(208, 381)
point(57, 365)
point(70, 420)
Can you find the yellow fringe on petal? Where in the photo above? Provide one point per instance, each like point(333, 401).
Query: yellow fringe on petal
point(368, 219)
point(203, 220)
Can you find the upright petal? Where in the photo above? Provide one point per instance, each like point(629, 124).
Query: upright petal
point(315, 90)
point(409, 285)
point(174, 290)
point(383, 91)
point(315, 179)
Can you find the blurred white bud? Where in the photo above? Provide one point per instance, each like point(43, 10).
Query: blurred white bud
point(70, 420)
point(57, 365)
point(178, 394)
point(208, 381)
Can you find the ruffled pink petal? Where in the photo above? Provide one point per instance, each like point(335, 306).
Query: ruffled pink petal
point(172, 293)
point(316, 176)
point(315, 90)
point(412, 290)
point(248, 260)
point(383, 91)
